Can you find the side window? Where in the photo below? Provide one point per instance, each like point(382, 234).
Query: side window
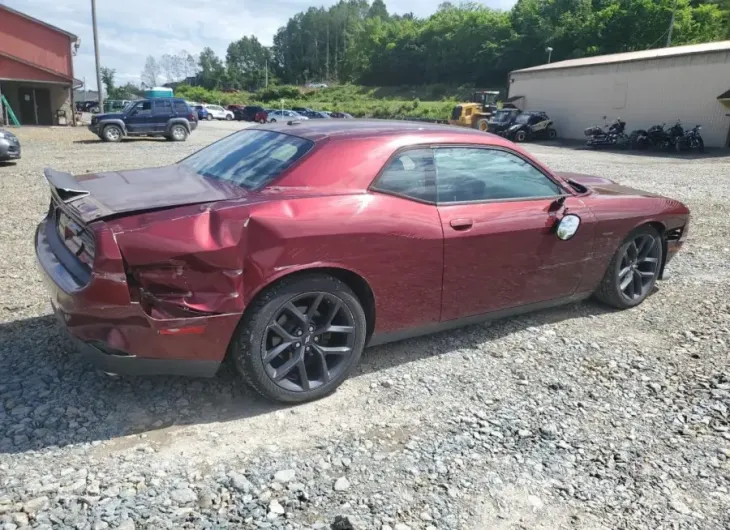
point(144, 108)
point(410, 174)
point(162, 107)
point(472, 174)
point(181, 107)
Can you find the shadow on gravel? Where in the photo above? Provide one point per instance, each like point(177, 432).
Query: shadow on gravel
point(8, 163)
point(124, 140)
point(50, 396)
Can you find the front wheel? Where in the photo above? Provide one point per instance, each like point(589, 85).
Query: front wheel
point(552, 134)
point(300, 339)
point(229, 117)
point(633, 270)
point(209, 117)
point(273, 120)
point(483, 125)
point(520, 136)
point(699, 145)
point(112, 133)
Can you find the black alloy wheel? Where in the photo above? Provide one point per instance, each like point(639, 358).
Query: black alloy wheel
point(300, 338)
point(308, 341)
point(633, 270)
point(639, 266)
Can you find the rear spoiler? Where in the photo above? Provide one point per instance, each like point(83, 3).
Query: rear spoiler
point(64, 185)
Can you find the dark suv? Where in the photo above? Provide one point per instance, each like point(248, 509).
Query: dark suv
point(171, 118)
point(247, 113)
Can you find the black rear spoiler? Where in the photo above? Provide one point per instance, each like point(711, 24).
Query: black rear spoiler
point(64, 185)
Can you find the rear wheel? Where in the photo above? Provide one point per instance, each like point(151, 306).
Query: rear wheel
point(273, 120)
point(112, 133)
point(552, 134)
point(633, 270)
point(229, 117)
point(209, 117)
point(483, 125)
point(300, 339)
point(178, 133)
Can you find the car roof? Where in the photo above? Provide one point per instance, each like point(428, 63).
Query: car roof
point(317, 130)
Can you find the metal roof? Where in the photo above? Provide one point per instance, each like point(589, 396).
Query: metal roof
point(37, 21)
point(643, 55)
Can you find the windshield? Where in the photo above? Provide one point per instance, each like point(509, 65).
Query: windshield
point(523, 118)
point(502, 115)
point(128, 106)
point(250, 159)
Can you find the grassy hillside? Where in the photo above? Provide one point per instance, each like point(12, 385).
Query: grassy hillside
point(432, 101)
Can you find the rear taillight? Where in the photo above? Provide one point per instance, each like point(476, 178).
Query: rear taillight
point(76, 237)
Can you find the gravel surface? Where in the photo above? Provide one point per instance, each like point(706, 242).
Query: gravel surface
point(578, 417)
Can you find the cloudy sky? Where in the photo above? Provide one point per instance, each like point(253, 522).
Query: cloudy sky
point(130, 30)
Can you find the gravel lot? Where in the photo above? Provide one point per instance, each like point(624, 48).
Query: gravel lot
point(576, 418)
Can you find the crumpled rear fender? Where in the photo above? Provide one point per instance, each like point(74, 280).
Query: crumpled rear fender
point(188, 264)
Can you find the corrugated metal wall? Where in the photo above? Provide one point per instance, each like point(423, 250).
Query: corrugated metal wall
point(642, 93)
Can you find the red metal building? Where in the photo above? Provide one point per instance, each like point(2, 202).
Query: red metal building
point(36, 69)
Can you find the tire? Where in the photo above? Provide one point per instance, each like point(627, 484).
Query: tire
point(112, 133)
point(255, 335)
point(209, 117)
point(262, 121)
point(520, 136)
point(178, 133)
point(483, 125)
point(552, 134)
point(609, 290)
point(273, 120)
point(229, 117)
point(700, 145)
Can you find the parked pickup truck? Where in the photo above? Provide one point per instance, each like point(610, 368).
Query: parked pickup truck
point(171, 118)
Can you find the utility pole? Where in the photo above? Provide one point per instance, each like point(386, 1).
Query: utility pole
point(671, 25)
point(266, 73)
point(99, 88)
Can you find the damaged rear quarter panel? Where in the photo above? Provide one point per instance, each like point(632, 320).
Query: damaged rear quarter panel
point(191, 257)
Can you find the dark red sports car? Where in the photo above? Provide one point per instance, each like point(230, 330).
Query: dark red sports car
point(292, 247)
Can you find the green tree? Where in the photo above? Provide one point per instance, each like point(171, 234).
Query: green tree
point(246, 61)
point(212, 74)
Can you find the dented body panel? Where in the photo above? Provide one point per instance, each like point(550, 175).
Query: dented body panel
point(178, 258)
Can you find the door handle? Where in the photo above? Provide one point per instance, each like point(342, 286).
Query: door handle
point(461, 224)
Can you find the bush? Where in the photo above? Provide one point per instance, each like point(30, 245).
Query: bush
point(275, 93)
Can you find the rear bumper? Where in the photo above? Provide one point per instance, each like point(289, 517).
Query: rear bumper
point(116, 333)
point(9, 149)
point(121, 363)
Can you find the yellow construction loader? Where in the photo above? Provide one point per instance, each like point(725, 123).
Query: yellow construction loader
point(477, 112)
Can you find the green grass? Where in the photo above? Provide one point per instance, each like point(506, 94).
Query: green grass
point(433, 102)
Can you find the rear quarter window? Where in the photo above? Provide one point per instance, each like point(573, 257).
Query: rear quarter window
point(410, 174)
point(250, 158)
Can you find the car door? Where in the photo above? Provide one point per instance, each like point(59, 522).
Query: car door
point(161, 112)
point(140, 120)
point(498, 211)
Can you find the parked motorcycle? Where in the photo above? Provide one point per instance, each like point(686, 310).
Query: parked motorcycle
point(691, 139)
point(656, 137)
point(612, 135)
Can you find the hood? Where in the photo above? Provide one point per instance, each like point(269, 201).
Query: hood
point(108, 116)
point(603, 186)
point(98, 195)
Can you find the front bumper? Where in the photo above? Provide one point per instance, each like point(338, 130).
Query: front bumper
point(94, 127)
point(114, 332)
point(9, 149)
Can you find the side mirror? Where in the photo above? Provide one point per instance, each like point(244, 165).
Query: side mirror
point(567, 227)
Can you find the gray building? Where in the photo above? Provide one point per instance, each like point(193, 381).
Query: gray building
point(645, 88)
